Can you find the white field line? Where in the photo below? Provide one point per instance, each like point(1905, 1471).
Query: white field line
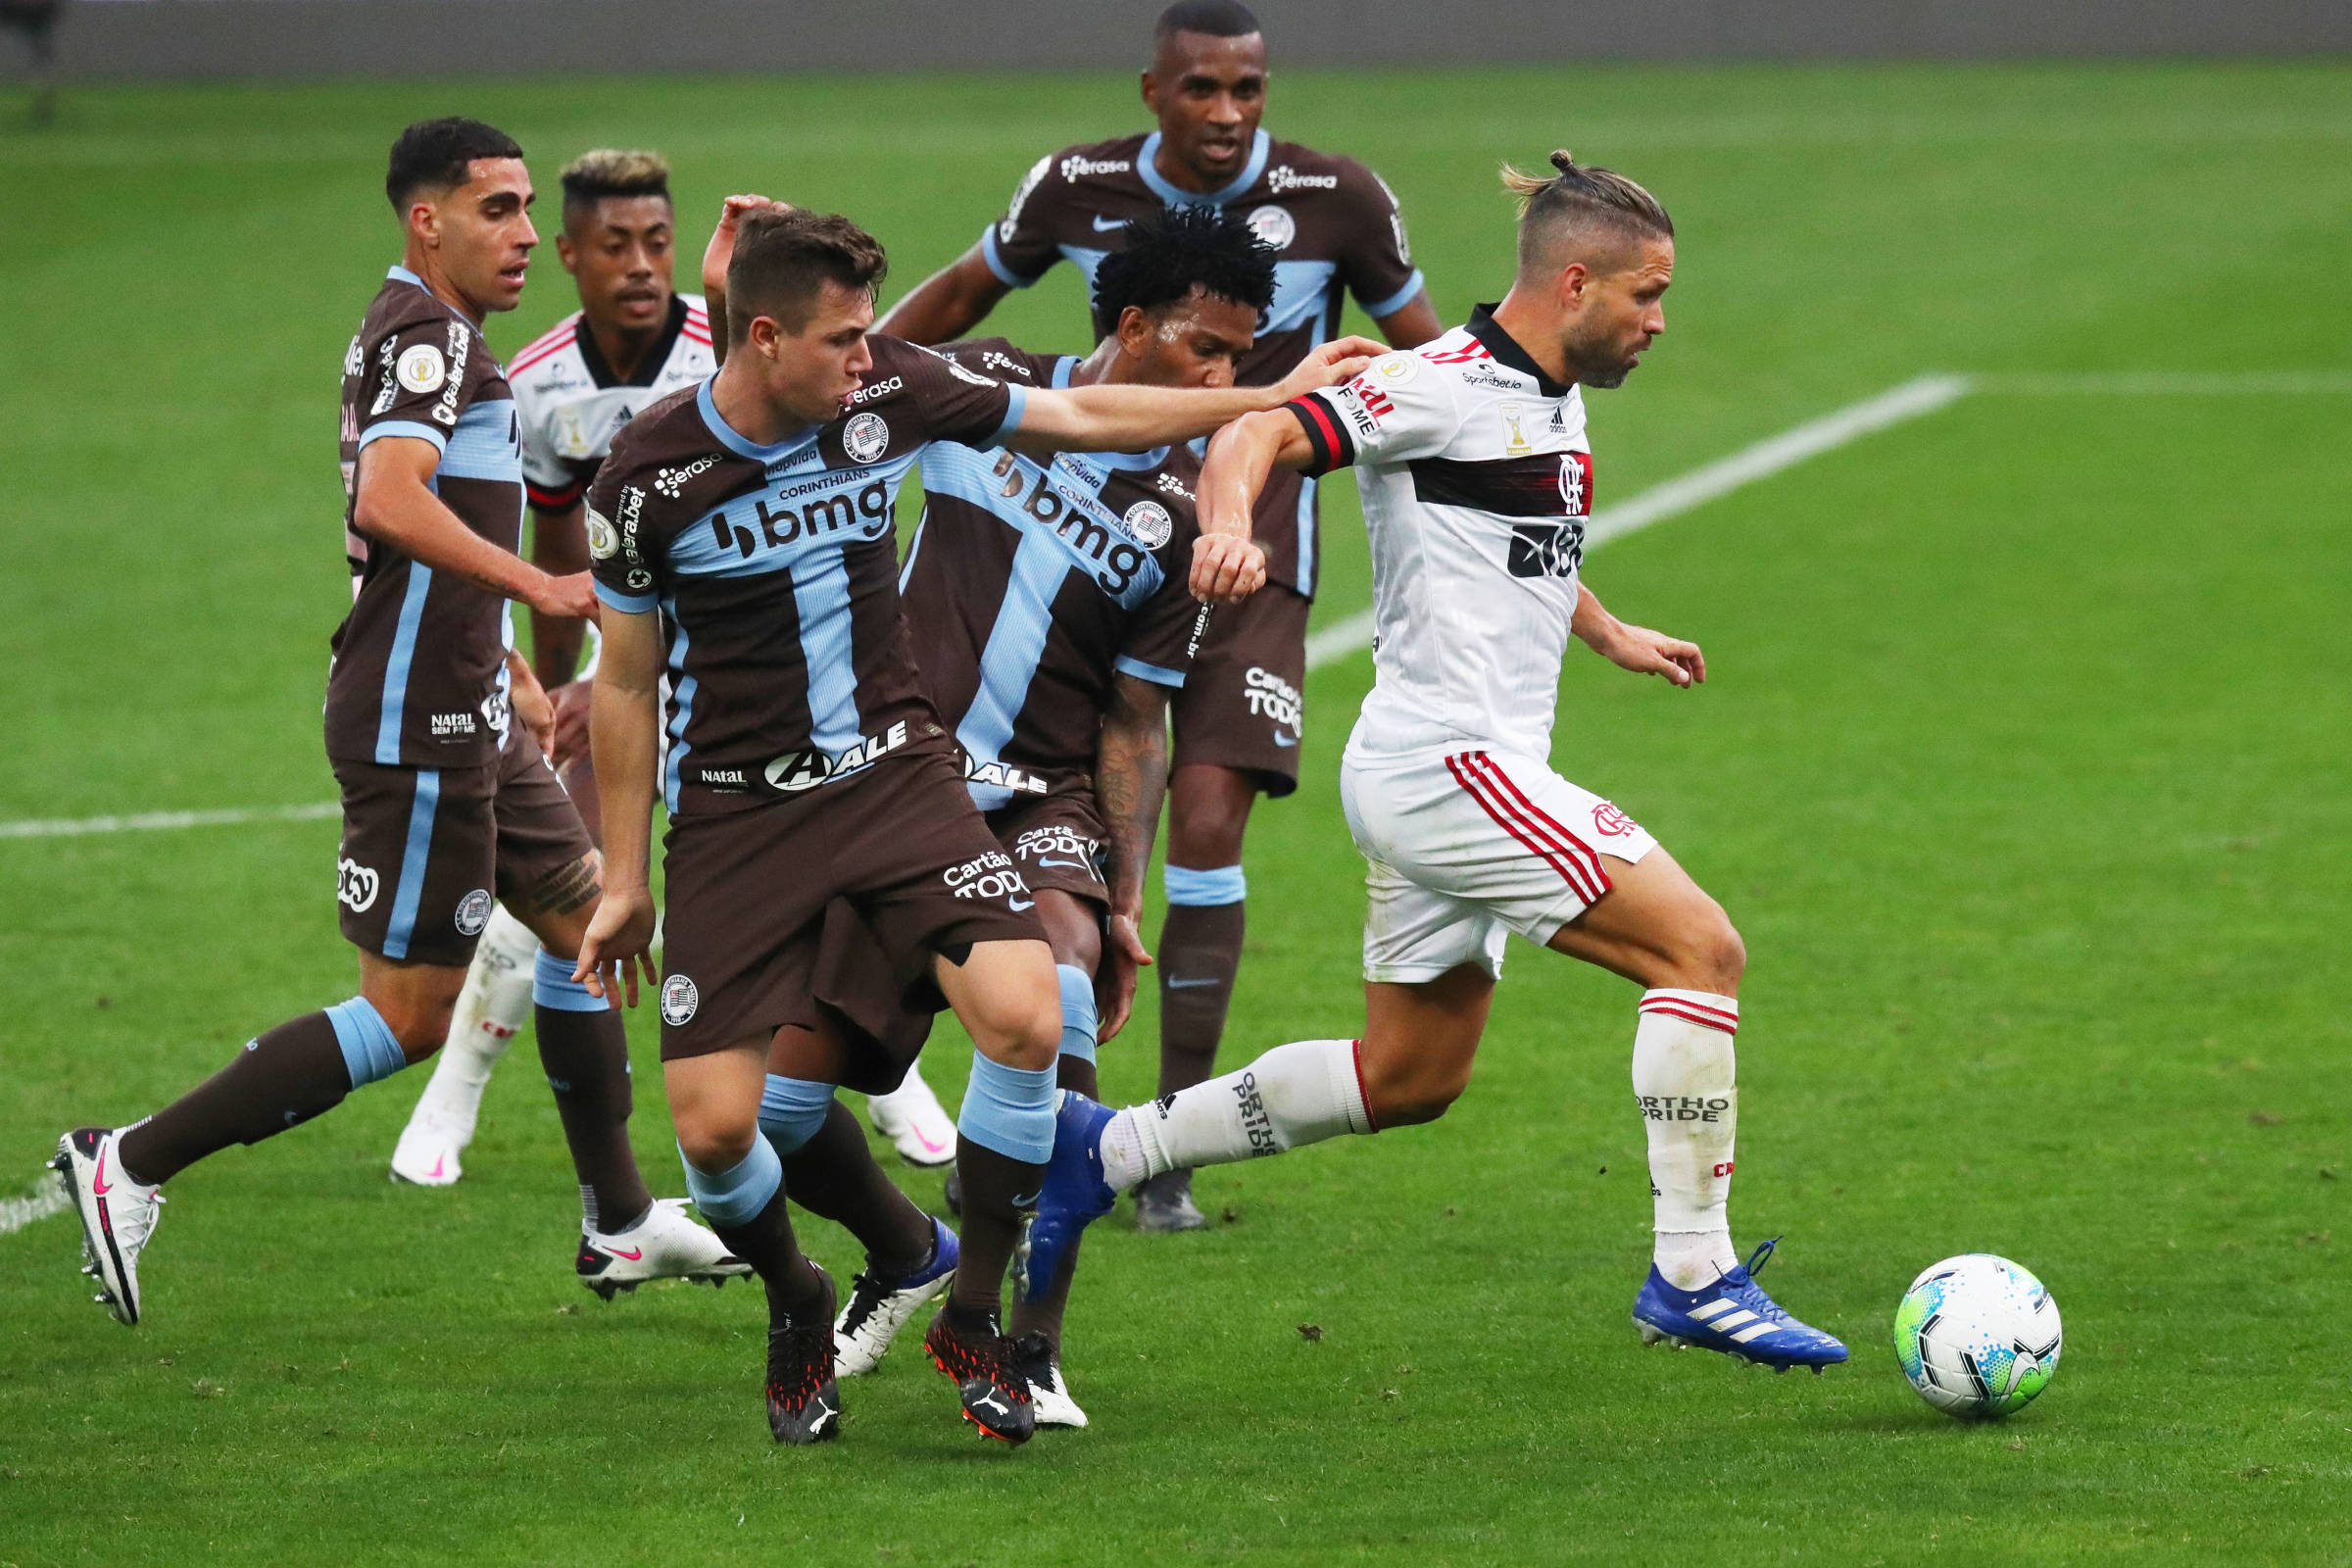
point(44, 1200)
point(1909, 401)
point(58, 827)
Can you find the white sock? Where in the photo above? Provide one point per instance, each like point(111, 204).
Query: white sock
point(1685, 1085)
point(1301, 1093)
point(495, 1003)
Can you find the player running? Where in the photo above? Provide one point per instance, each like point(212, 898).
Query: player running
point(1477, 479)
point(1336, 228)
point(1050, 617)
point(444, 794)
point(754, 514)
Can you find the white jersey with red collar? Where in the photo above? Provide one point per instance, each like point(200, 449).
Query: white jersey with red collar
point(1477, 484)
point(569, 403)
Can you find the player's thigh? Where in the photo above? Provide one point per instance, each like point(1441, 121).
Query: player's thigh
point(1242, 710)
point(1056, 846)
point(1657, 927)
point(1208, 815)
point(1420, 1040)
point(1008, 999)
point(548, 872)
point(415, 861)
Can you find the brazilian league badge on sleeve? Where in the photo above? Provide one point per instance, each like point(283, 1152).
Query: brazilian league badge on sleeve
point(679, 1000)
point(1149, 521)
point(865, 438)
point(421, 369)
point(602, 540)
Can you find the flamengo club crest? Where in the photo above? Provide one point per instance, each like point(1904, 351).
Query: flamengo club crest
point(1576, 483)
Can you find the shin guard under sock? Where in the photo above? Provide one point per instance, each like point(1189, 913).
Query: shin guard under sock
point(585, 1052)
point(1685, 1087)
point(1301, 1093)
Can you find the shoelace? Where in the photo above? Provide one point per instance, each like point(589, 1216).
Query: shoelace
point(867, 1296)
point(1033, 1359)
point(807, 1352)
point(132, 1230)
point(1760, 1256)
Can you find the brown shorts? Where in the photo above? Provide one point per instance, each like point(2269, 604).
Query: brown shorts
point(1055, 841)
point(1242, 702)
point(424, 848)
point(745, 916)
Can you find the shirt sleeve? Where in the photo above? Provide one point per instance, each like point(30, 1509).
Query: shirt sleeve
point(1401, 407)
point(1377, 263)
point(425, 374)
point(959, 404)
point(1019, 246)
point(1158, 646)
point(624, 559)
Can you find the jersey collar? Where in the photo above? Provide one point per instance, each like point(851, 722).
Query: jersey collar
point(1506, 350)
point(649, 368)
point(736, 441)
point(401, 274)
point(1147, 168)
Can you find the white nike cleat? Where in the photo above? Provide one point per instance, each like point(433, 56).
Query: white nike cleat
point(1038, 1362)
point(880, 1308)
point(117, 1215)
point(665, 1245)
point(911, 1117)
point(494, 1004)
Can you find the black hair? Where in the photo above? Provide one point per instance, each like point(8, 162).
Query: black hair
point(1177, 250)
point(435, 153)
point(1218, 18)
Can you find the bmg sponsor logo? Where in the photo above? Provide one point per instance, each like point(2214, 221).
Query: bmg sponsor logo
point(780, 524)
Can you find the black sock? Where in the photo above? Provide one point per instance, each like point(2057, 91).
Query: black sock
point(1199, 948)
point(586, 1055)
point(765, 1241)
point(999, 1194)
point(278, 1081)
point(834, 1176)
point(1045, 1315)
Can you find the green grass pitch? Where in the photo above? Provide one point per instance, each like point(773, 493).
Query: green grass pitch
point(2021, 770)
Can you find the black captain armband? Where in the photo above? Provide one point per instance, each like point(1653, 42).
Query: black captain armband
point(1326, 436)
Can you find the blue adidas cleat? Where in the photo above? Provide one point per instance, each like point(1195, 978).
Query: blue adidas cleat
point(1073, 1196)
point(1733, 1315)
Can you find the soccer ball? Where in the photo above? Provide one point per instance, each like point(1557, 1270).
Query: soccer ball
point(1978, 1335)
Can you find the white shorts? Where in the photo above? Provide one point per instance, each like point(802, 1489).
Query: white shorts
point(1467, 845)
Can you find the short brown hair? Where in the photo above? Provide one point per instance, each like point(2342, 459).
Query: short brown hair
point(1583, 201)
point(783, 260)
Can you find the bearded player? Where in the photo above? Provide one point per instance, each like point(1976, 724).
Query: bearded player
point(1477, 480)
point(1336, 233)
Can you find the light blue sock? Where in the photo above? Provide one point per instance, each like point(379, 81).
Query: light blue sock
point(552, 986)
point(1224, 884)
point(792, 1109)
point(1010, 1109)
point(369, 1051)
point(735, 1196)
point(1079, 1023)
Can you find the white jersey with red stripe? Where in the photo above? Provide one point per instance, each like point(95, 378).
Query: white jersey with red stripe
point(1477, 482)
point(572, 404)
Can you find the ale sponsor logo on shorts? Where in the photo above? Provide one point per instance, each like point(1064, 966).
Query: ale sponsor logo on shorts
point(679, 1000)
point(807, 768)
point(989, 876)
point(356, 885)
point(474, 913)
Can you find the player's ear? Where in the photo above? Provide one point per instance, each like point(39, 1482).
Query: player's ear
point(425, 220)
point(1573, 279)
point(1149, 87)
point(565, 254)
point(1134, 332)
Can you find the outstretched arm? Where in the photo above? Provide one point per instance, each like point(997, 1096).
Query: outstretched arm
point(1131, 782)
point(1130, 417)
point(1240, 458)
point(621, 729)
point(1636, 648)
point(947, 304)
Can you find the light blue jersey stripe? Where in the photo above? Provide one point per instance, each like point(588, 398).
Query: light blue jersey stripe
point(396, 667)
point(820, 589)
point(1376, 308)
point(412, 862)
point(1015, 644)
point(404, 427)
point(1307, 537)
point(483, 445)
point(682, 687)
point(996, 262)
point(1159, 675)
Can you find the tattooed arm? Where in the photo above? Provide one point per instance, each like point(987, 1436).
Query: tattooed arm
point(1131, 781)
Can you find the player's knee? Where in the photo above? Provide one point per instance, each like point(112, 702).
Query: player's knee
point(714, 1144)
point(1028, 1039)
point(420, 1024)
point(1408, 1093)
point(1718, 956)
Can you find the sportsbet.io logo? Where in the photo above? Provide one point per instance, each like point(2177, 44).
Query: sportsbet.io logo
point(679, 1000)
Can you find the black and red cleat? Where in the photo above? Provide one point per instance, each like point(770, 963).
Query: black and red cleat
point(804, 1404)
point(979, 1360)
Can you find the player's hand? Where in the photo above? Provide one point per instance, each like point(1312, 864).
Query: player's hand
point(1330, 364)
point(1226, 570)
point(1653, 653)
point(619, 946)
point(529, 702)
point(573, 597)
point(721, 249)
point(571, 702)
point(1123, 956)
